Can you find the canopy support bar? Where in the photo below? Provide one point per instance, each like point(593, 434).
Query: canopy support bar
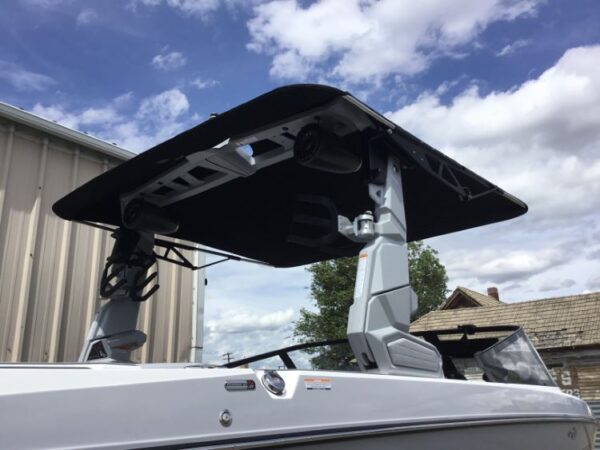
point(379, 318)
point(113, 334)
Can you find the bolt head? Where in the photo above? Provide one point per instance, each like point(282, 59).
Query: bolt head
point(225, 418)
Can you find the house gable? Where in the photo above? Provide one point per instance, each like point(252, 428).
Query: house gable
point(467, 298)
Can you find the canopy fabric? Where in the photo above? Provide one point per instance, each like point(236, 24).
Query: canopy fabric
point(253, 216)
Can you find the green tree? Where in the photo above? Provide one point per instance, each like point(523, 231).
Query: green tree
point(332, 290)
point(427, 277)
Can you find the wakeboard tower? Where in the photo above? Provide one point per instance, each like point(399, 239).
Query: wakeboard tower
point(302, 174)
point(299, 175)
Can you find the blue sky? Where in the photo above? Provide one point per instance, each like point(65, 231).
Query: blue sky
point(510, 88)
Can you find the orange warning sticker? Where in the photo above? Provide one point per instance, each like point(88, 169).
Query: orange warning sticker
point(361, 273)
point(317, 384)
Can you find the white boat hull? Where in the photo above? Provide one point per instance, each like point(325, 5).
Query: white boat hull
point(465, 436)
point(121, 406)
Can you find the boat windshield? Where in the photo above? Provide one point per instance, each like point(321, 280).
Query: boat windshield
point(468, 353)
point(326, 355)
point(514, 360)
point(500, 353)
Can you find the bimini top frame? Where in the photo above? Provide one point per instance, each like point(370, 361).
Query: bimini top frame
point(298, 175)
point(232, 183)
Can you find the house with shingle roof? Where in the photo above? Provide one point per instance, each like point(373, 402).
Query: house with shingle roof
point(565, 331)
point(466, 298)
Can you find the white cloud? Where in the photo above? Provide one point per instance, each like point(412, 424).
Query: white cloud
point(243, 321)
point(157, 118)
point(288, 65)
point(488, 266)
point(192, 8)
point(123, 99)
point(146, 2)
point(245, 334)
point(164, 107)
point(106, 115)
point(593, 283)
point(90, 116)
point(169, 61)
point(513, 47)
point(204, 83)
point(195, 6)
point(86, 17)
point(22, 79)
point(257, 291)
point(367, 40)
point(554, 285)
point(57, 114)
point(44, 3)
point(540, 140)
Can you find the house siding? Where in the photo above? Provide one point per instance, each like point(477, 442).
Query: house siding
point(564, 330)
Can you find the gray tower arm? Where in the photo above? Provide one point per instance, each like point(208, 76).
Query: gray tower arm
point(113, 334)
point(383, 299)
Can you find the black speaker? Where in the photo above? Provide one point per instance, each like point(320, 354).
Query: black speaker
point(143, 216)
point(320, 149)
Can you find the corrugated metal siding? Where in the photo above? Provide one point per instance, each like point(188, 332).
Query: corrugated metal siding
point(49, 268)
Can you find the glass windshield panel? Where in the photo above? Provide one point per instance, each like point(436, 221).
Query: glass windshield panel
point(514, 360)
point(326, 357)
point(273, 363)
point(334, 356)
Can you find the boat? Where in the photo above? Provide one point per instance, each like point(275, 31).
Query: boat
point(301, 174)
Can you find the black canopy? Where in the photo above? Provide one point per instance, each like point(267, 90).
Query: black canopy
point(253, 216)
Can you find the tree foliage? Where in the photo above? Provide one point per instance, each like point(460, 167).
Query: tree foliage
point(332, 290)
point(427, 277)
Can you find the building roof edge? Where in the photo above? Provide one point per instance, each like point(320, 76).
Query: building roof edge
point(47, 126)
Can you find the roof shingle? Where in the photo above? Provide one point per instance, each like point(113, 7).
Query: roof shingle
point(482, 299)
point(550, 323)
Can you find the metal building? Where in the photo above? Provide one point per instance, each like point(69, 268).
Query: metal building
point(49, 268)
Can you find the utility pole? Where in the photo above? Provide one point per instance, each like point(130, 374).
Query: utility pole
point(228, 356)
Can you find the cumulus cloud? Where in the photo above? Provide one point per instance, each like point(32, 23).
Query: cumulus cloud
point(243, 322)
point(487, 265)
point(245, 333)
point(86, 17)
point(44, 3)
point(57, 113)
point(541, 140)
point(90, 116)
point(255, 312)
point(192, 8)
point(204, 83)
point(195, 6)
point(513, 47)
point(134, 3)
point(105, 115)
point(366, 41)
point(156, 119)
point(593, 283)
point(23, 79)
point(554, 285)
point(169, 61)
point(164, 107)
